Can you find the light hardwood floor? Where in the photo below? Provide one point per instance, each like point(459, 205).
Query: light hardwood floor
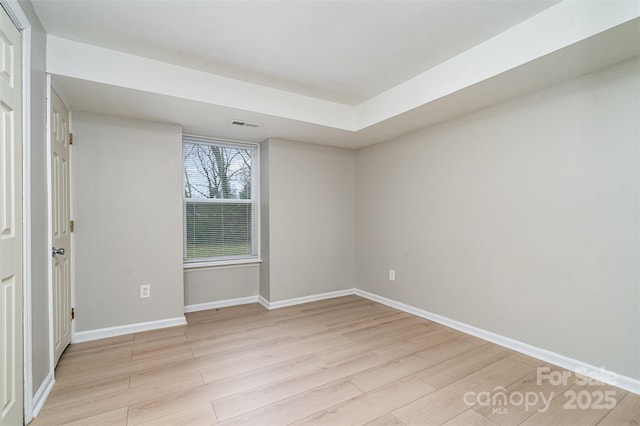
point(334, 362)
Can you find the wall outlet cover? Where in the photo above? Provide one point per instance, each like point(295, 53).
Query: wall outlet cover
point(145, 291)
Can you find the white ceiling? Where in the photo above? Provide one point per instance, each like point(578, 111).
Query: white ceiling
point(343, 51)
point(341, 73)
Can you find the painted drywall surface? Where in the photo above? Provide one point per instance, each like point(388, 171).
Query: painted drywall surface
point(222, 283)
point(88, 62)
point(40, 254)
point(265, 270)
point(557, 27)
point(521, 219)
point(311, 219)
point(127, 202)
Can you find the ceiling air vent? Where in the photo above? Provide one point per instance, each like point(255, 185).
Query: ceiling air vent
point(244, 123)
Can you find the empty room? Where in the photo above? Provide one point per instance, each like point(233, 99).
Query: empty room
point(348, 212)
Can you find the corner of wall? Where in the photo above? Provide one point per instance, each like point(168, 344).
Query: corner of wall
point(264, 288)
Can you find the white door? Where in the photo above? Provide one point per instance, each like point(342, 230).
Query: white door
point(11, 361)
point(60, 224)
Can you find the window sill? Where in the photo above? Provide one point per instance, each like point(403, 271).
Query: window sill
point(221, 264)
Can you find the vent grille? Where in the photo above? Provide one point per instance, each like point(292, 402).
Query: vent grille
point(244, 123)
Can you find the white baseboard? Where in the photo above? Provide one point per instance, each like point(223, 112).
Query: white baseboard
point(220, 304)
point(103, 333)
point(624, 382)
point(264, 302)
point(43, 392)
point(305, 299)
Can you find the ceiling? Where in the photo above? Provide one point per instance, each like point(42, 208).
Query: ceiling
point(342, 51)
point(342, 73)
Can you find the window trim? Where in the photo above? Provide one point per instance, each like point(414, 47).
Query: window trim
point(209, 262)
point(221, 264)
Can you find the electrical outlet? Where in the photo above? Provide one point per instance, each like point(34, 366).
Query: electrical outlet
point(392, 274)
point(145, 291)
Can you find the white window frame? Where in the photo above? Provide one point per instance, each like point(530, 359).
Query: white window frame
point(255, 201)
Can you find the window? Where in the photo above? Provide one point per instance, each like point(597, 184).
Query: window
point(220, 201)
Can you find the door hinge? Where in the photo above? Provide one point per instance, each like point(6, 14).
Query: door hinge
point(70, 138)
point(73, 313)
point(71, 226)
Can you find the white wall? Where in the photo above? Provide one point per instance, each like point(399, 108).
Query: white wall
point(307, 229)
point(127, 204)
point(311, 219)
point(265, 270)
point(208, 285)
point(521, 219)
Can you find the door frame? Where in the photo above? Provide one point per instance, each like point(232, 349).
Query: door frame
point(23, 24)
point(48, 90)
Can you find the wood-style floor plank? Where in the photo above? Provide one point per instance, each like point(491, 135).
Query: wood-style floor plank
point(470, 417)
point(448, 402)
point(299, 406)
point(80, 409)
point(202, 415)
point(371, 405)
point(117, 417)
point(462, 365)
point(536, 397)
point(561, 410)
point(342, 361)
point(97, 370)
point(386, 420)
point(88, 389)
point(625, 413)
point(420, 343)
point(389, 372)
point(282, 389)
